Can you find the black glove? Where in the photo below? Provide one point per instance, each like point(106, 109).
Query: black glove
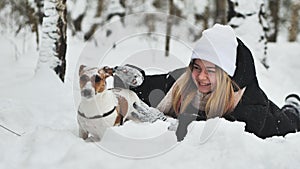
point(128, 76)
point(184, 119)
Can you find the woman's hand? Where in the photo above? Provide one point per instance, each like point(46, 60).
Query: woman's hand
point(145, 113)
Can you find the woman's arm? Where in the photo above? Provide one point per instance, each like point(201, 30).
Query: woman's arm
point(166, 104)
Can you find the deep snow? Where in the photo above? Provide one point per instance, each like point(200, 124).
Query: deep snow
point(36, 105)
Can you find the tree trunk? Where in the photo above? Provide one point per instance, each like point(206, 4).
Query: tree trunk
point(40, 9)
point(54, 39)
point(294, 29)
point(264, 38)
point(206, 17)
point(274, 11)
point(231, 11)
point(33, 20)
point(150, 22)
point(169, 28)
point(220, 11)
point(61, 43)
point(94, 27)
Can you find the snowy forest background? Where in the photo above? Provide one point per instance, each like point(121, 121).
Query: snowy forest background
point(49, 21)
point(44, 41)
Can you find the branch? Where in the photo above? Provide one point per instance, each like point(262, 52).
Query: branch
point(10, 130)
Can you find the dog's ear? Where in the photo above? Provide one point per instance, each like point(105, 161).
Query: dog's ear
point(81, 69)
point(108, 71)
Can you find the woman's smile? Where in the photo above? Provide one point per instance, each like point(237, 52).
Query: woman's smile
point(203, 73)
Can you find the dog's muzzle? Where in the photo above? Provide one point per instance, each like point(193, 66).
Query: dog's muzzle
point(87, 93)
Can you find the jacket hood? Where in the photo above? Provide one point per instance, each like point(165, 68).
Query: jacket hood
point(245, 72)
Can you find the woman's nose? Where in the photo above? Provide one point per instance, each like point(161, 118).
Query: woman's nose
point(203, 75)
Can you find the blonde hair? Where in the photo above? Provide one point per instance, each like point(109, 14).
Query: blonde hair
point(220, 102)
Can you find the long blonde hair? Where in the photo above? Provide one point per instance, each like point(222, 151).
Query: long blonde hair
point(220, 102)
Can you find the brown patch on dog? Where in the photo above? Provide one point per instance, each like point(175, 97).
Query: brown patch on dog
point(123, 105)
point(81, 69)
point(119, 120)
point(83, 80)
point(100, 85)
point(104, 73)
point(108, 71)
point(121, 109)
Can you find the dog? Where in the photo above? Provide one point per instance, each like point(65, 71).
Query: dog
point(101, 108)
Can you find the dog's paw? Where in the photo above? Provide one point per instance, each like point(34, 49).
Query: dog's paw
point(92, 139)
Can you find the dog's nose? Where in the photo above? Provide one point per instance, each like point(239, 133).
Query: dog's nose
point(86, 93)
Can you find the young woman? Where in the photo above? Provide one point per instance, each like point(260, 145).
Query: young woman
point(221, 81)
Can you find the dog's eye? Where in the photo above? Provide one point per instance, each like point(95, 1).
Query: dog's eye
point(84, 78)
point(97, 79)
point(105, 68)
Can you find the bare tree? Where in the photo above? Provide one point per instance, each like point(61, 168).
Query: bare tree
point(106, 10)
point(24, 15)
point(294, 29)
point(274, 20)
point(40, 10)
point(93, 28)
point(221, 11)
point(169, 28)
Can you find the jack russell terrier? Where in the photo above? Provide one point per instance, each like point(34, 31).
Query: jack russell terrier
point(101, 108)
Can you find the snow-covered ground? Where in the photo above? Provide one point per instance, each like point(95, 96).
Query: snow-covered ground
point(42, 110)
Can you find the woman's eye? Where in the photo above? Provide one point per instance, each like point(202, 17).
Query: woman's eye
point(97, 79)
point(211, 71)
point(197, 68)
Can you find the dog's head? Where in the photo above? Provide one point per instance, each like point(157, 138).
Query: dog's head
point(92, 80)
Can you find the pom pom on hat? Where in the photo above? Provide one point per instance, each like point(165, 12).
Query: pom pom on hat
point(218, 45)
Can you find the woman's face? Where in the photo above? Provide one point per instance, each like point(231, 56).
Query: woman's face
point(204, 75)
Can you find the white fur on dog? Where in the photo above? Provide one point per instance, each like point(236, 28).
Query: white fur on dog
point(98, 105)
point(102, 103)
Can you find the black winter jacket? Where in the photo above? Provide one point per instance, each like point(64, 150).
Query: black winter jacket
point(262, 116)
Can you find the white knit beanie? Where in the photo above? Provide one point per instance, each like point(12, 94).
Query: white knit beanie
point(218, 45)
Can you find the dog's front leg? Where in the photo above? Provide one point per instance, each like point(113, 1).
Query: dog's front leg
point(119, 120)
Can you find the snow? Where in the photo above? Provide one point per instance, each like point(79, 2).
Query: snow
point(41, 109)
